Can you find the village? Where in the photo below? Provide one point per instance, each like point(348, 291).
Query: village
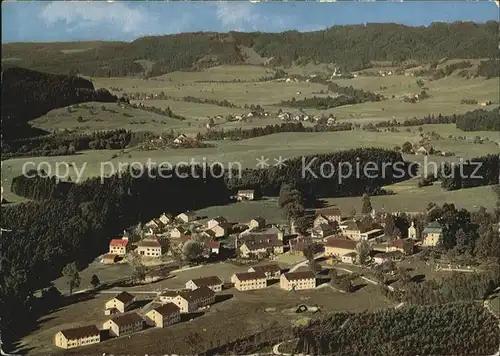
point(333, 238)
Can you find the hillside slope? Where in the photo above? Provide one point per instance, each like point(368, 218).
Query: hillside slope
point(28, 94)
point(350, 47)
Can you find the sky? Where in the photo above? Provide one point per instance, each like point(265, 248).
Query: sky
point(44, 21)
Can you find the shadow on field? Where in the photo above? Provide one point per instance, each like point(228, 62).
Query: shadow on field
point(191, 316)
point(223, 297)
point(419, 278)
point(272, 282)
point(138, 304)
point(357, 287)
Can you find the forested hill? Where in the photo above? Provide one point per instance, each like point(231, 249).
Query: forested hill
point(350, 47)
point(28, 94)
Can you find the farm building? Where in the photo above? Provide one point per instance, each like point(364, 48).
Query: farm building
point(249, 281)
point(164, 315)
point(76, 337)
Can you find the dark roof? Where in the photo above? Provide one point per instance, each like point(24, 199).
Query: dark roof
point(167, 309)
point(248, 276)
point(149, 243)
point(323, 227)
point(170, 293)
point(125, 297)
point(219, 219)
point(210, 232)
point(259, 219)
point(341, 243)
point(330, 211)
point(294, 276)
point(267, 268)
point(202, 292)
point(126, 319)
point(357, 225)
point(207, 281)
point(80, 332)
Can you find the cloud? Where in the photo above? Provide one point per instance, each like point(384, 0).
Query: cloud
point(85, 15)
point(237, 15)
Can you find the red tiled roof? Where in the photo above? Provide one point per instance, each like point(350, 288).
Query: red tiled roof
point(212, 244)
point(341, 243)
point(118, 242)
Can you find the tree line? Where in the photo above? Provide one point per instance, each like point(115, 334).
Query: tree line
point(472, 173)
point(489, 68)
point(28, 94)
point(350, 47)
point(327, 175)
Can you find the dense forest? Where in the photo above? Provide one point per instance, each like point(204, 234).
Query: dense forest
point(472, 173)
point(28, 94)
point(489, 68)
point(328, 175)
point(74, 222)
point(350, 47)
point(423, 330)
point(479, 120)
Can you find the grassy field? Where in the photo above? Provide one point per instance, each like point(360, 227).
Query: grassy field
point(246, 152)
point(446, 93)
point(408, 197)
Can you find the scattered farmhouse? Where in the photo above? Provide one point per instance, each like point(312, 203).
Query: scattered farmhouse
point(186, 217)
point(124, 324)
point(338, 247)
point(179, 232)
point(298, 280)
point(327, 216)
point(119, 247)
point(432, 234)
point(271, 271)
point(249, 281)
point(76, 337)
point(257, 223)
point(180, 139)
point(149, 248)
point(424, 150)
point(120, 303)
point(248, 194)
point(212, 282)
point(164, 315)
point(356, 230)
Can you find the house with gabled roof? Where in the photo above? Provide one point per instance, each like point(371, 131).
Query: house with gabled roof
point(357, 230)
point(76, 337)
point(186, 217)
point(338, 247)
point(212, 282)
point(321, 231)
point(270, 270)
point(216, 221)
point(213, 247)
point(166, 219)
point(190, 301)
point(299, 280)
point(119, 303)
point(119, 247)
point(149, 248)
point(257, 223)
point(327, 215)
point(180, 139)
point(164, 315)
point(124, 324)
point(179, 232)
point(432, 234)
point(249, 281)
point(246, 194)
